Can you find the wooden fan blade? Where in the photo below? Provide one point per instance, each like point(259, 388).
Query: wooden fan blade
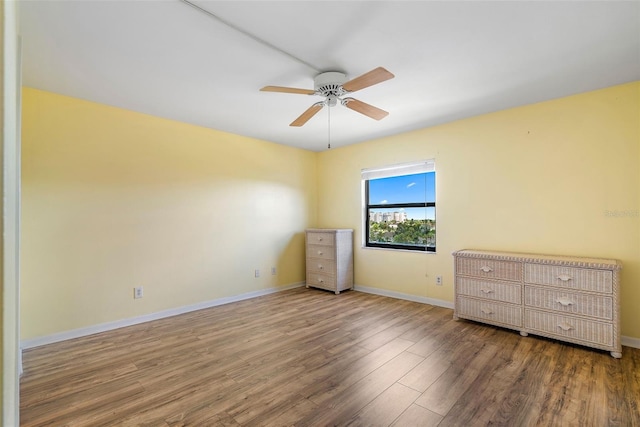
point(366, 109)
point(310, 112)
point(371, 78)
point(283, 89)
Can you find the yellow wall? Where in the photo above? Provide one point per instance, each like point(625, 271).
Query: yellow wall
point(114, 199)
point(558, 177)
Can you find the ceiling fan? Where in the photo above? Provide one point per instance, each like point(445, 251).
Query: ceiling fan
point(333, 86)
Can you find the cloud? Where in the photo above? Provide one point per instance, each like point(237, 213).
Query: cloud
point(384, 202)
point(411, 185)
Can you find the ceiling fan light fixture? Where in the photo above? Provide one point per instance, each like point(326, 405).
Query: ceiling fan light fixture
point(332, 100)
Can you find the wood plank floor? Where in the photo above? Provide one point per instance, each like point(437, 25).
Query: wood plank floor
point(307, 357)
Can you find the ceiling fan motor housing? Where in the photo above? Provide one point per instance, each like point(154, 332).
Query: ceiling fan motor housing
point(329, 84)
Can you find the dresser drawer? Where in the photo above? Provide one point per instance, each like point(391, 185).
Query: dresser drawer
point(320, 238)
point(321, 266)
point(599, 306)
point(319, 280)
point(488, 311)
point(491, 290)
point(322, 252)
point(569, 328)
point(583, 279)
point(490, 269)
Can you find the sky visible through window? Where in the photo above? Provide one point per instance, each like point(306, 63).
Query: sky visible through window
point(417, 188)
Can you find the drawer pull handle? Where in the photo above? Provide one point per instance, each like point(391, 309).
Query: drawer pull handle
point(564, 277)
point(565, 326)
point(486, 311)
point(319, 252)
point(486, 268)
point(486, 290)
point(320, 281)
point(564, 302)
point(321, 267)
point(319, 239)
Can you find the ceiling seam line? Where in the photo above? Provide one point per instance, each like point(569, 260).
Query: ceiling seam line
point(251, 36)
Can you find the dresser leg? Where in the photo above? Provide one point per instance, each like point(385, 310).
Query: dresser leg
point(306, 286)
point(337, 292)
point(524, 334)
point(616, 354)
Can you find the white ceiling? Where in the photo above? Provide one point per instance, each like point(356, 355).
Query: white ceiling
point(451, 59)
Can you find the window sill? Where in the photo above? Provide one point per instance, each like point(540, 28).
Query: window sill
point(373, 248)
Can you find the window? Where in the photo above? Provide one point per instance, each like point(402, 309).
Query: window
point(400, 206)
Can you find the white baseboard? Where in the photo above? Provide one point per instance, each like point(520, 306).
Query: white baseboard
point(630, 342)
point(109, 326)
point(408, 297)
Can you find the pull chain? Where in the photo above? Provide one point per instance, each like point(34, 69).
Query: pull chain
point(329, 129)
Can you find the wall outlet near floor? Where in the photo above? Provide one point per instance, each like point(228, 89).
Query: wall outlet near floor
point(257, 273)
point(273, 271)
point(138, 292)
point(439, 280)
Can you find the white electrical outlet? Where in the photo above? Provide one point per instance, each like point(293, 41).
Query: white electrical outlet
point(439, 280)
point(138, 292)
point(257, 273)
point(273, 271)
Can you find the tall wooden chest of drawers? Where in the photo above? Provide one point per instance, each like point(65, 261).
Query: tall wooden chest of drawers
point(565, 298)
point(329, 256)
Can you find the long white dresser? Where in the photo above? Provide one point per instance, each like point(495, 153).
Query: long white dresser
point(329, 256)
point(566, 298)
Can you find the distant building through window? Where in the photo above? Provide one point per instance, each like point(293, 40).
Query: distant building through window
point(400, 206)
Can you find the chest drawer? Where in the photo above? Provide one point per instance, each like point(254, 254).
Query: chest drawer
point(319, 280)
point(488, 311)
point(491, 290)
point(583, 279)
point(320, 238)
point(489, 269)
point(322, 252)
point(599, 306)
point(570, 328)
point(321, 266)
